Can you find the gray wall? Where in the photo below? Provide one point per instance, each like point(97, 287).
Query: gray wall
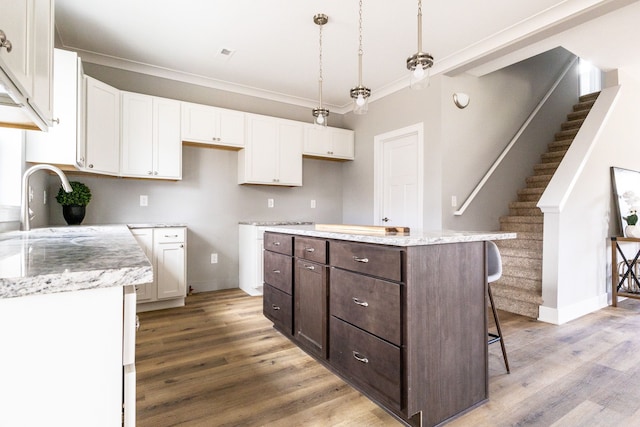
point(208, 199)
point(461, 145)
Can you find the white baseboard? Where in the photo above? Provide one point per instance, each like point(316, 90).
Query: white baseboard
point(561, 315)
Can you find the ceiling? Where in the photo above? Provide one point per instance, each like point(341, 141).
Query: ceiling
point(275, 43)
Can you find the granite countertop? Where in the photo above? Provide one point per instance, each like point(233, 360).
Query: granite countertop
point(414, 238)
point(274, 223)
point(156, 225)
point(61, 259)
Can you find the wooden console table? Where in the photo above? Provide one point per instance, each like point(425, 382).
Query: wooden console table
point(625, 274)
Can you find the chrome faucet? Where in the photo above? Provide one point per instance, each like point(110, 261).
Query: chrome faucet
point(25, 213)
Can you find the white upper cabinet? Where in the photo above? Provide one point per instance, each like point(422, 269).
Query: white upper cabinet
point(329, 143)
point(212, 126)
point(151, 146)
point(102, 127)
point(59, 144)
point(26, 63)
point(273, 152)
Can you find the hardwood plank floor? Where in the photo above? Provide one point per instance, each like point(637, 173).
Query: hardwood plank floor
point(218, 362)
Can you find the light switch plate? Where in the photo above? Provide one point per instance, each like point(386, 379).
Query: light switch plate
point(144, 200)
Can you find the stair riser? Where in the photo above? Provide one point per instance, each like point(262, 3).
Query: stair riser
point(572, 124)
point(508, 284)
point(552, 157)
point(518, 307)
point(510, 226)
point(528, 197)
point(535, 183)
point(523, 211)
point(529, 245)
point(521, 253)
point(558, 146)
point(566, 134)
point(523, 267)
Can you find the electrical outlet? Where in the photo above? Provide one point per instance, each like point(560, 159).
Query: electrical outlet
point(313, 204)
point(270, 203)
point(214, 258)
point(454, 201)
point(144, 200)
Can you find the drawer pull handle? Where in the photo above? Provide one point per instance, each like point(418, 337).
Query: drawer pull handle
point(359, 357)
point(361, 303)
point(309, 267)
point(275, 307)
point(170, 235)
point(356, 259)
point(309, 250)
point(276, 271)
point(276, 243)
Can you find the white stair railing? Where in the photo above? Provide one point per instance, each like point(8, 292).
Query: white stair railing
point(513, 141)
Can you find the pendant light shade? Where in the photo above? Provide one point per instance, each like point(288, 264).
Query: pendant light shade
point(360, 94)
point(420, 63)
point(320, 114)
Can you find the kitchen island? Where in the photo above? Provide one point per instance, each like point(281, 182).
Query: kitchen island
point(400, 317)
point(67, 325)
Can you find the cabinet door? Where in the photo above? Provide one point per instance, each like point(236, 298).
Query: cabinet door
point(290, 153)
point(170, 269)
point(317, 141)
point(42, 57)
point(144, 237)
point(310, 294)
point(137, 135)
point(257, 163)
point(167, 153)
point(342, 142)
point(198, 123)
point(59, 144)
point(231, 128)
point(17, 21)
point(102, 141)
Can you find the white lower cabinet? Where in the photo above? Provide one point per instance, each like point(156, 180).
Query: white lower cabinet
point(166, 249)
point(250, 261)
point(63, 359)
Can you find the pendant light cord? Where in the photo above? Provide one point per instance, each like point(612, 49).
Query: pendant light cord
point(360, 51)
point(320, 76)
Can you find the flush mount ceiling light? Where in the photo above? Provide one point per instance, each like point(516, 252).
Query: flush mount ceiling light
point(419, 63)
point(360, 94)
point(321, 114)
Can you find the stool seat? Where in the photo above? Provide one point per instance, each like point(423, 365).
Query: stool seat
point(494, 272)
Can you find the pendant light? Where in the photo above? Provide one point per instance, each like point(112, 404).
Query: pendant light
point(419, 63)
point(360, 94)
point(321, 114)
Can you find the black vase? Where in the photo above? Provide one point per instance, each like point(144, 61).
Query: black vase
point(73, 214)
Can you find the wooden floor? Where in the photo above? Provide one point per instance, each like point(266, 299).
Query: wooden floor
point(218, 362)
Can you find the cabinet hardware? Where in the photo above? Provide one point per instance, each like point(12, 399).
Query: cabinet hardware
point(276, 243)
point(182, 246)
point(149, 172)
point(359, 357)
point(137, 323)
point(90, 165)
point(4, 42)
point(155, 172)
point(356, 259)
point(56, 120)
point(276, 271)
point(309, 250)
point(309, 267)
point(170, 235)
point(385, 219)
point(275, 307)
point(361, 303)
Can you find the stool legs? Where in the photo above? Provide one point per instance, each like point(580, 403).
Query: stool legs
point(493, 337)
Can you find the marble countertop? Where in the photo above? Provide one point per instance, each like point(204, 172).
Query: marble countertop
point(61, 259)
point(414, 238)
point(156, 225)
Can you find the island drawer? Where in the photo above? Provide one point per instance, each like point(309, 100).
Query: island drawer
point(368, 303)
point(276, 306)
point(311, 249)
point(278, 271)
point(369, 361)
point(375, 260)
point(281, 243)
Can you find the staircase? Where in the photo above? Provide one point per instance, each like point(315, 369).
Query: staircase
point(519, 290)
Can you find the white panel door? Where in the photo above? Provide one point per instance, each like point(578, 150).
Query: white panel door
point(398, 178)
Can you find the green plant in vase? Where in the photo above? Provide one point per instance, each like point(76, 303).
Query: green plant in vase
point(74, 203)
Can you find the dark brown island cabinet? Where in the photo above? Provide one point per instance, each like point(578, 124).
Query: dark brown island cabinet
point(405, 325)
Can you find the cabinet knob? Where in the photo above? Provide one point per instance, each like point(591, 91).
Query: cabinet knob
point(276, 243)
point(275, 271)
point(56, 120)
point(385, 219)
point(356, 259)
point(309, 250)
point(155, 172)
point(91, 166)
point(275, 307)
point(149, 173)
point(309, 267)
point(359, 357)
point(4, 42)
